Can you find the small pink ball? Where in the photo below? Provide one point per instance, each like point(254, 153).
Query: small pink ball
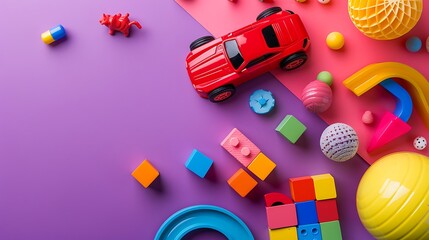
point(368, 117)
point(317, 96)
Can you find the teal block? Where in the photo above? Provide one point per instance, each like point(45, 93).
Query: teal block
point(331, 230)
point(291, 128)
point(198, 163)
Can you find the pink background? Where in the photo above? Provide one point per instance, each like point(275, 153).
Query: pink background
point(221, 17)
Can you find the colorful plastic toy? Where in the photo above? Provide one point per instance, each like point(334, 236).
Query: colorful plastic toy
point(324, 1)
point(302, 189)
point(54, 34)
point(317, 96)
point(262, 102)
point(199, 163)
point(339, 142)
point(194, 218)
point(420, 143)
point(371, 75)
point(288, 233)
point(306, 212)
point(368, 117)
point(309, 232)
point(392, 126)
point(331, 230)
point(217, 66)
point(413, 44)
point(118, 23)
point(327, 210)
point(335, 40)
point(325, 77)
point(145, 173)
point(261, 166)
point(385, 20)
point(242, 182)
point(291, 128)
point(392, 198)
point(240, 147)
point(281, 211)
point(324, 186)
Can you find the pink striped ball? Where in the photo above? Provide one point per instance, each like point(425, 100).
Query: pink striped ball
point(317, 96)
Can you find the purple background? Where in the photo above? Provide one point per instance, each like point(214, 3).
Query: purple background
point(79, 117)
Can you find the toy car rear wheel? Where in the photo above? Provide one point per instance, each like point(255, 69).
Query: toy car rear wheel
point(293, 61)
point(268, 12)
point(200, 42)
point(221, 94)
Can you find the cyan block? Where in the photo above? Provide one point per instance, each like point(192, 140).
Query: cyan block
point(310, 232)
point(198, 163)
point(306, 212)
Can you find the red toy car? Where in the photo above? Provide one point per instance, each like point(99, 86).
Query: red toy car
point(217, 66)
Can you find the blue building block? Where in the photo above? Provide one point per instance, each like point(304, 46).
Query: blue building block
point(198, 163)
point(309, 232)
point(404, 104)
point(307, 213)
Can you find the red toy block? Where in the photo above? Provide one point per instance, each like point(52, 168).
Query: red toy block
point(240, 147)
point(302, 189)
point(275, 198)
point(281, 216)
point(327, 210)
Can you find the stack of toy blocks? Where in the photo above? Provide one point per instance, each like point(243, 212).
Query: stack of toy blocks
point(251, 157)
point(312, 216)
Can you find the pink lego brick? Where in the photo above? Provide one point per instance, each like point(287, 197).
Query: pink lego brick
point(240, 147)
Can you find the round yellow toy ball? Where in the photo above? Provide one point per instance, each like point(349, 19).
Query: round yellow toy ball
point(393, 197)
point(385, 19)
point(335, 40)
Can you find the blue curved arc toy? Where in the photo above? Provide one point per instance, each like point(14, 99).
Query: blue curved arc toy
point(198, 217)
point(404, 105)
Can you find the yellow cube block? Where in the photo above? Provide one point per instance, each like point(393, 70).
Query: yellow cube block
point(283, 234)
point(145, 173)
point(261, 166)
point(324, 186)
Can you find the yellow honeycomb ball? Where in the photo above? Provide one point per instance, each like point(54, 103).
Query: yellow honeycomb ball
point(393, 197)
point(385, 19)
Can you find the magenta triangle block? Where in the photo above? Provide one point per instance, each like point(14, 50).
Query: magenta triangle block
point(390, 128)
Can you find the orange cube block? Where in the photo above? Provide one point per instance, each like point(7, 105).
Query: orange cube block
point(242, 182)
point(145, 173)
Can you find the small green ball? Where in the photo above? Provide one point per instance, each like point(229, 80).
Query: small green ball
point(325, 77)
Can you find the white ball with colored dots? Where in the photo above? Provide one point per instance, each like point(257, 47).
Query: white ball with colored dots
point(339, 142)
point(324, 1)
point(420, 143)
point(335, 40)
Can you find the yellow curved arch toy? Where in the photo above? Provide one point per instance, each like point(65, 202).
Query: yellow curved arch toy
point(371, 75)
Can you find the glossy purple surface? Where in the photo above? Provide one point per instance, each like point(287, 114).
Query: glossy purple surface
point(77, 118)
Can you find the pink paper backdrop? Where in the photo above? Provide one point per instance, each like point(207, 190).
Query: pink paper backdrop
point(222, 16)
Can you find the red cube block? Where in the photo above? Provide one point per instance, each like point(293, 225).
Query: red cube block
point(302, 189)
point(281, 216)
point(327, 210)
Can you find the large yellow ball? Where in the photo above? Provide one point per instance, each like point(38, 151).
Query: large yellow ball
point(385, 19)
point(393, 197)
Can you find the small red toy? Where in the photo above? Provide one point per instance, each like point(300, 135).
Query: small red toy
point(119, 23)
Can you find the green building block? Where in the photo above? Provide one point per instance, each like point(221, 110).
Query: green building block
point(291, 128)
point(331, 230)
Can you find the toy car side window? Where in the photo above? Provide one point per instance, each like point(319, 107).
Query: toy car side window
point(258, 60)
point(270, 37)
point(234, 53)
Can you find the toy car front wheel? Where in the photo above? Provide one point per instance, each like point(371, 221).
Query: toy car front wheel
point(222, 93)
point(268, 12)
point(293, 61)
point(200, 42)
